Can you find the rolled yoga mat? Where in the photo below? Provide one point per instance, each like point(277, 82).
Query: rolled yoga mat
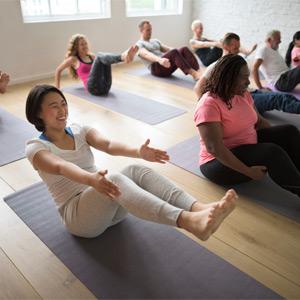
point(131, 105)
point(177, 78)
point(135, 259)
point(265, 192)
point(14, 132)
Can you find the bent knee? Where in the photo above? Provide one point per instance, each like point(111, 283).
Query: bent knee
point(135, 169)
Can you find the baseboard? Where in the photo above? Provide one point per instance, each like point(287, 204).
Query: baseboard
point(31, 78)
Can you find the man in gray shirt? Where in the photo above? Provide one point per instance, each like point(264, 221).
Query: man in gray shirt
point(162, 60)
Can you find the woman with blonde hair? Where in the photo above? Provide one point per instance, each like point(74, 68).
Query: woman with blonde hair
point(93, 70)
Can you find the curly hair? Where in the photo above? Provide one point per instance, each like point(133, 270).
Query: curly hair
point(73, 50)
point(224, 77)
point(34, 103)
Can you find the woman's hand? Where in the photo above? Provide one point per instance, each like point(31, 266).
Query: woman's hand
point(152, 154)
point(257, 172)
point(102, 185)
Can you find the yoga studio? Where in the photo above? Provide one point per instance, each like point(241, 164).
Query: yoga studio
point(149, 149)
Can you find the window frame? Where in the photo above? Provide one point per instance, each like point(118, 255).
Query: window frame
point(153, 12)
point(68, 17)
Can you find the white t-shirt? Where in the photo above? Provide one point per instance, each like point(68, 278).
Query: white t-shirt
point(61, 188)
point(273, 64)
point(153, 46)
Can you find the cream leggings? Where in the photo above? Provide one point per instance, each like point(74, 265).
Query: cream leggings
point(144, 193)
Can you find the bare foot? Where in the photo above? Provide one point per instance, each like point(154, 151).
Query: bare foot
point(128, 55)
point(206, 221)
point(198, 206)
point(201, 223)
point(227, 205)
point(4, 80)
point(195, 74)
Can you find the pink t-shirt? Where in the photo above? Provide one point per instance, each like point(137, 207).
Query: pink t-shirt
point(295, 52)
point(238, 123)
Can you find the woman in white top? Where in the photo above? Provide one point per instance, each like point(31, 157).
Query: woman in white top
point(90, 200)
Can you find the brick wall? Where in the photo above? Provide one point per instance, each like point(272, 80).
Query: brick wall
point(250, 19)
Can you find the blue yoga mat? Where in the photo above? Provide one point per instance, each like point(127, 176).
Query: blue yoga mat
point(14, 133)
point(131, 105)
point(265, 192)
point(135, 259)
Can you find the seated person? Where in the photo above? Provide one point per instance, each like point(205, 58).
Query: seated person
point(236, 143)
point(162, 60)
point(209, 50)
point(93, 70)
point(90, 200)
point(264, 100)
point(273, 65)
point(4, 80)
point(292, 57)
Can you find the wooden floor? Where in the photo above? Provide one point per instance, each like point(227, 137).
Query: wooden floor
point(257, 241)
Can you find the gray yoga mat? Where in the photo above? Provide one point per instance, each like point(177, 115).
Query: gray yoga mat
point(177, 78)
point(135, 259)
point(265, 192)
point(131, 105)
point(14, 132)
point(276, 117)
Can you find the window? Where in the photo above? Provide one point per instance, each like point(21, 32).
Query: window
point(61, 10)
point(135, 8)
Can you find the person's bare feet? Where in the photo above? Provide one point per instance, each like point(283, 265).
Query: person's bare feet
point(4, 80)
point(227, 205)
point(198, 206)
point(128, 55)
point(195, 74)
point(205, 222)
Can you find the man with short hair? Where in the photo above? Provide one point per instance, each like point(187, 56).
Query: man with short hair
point(273, 65)
point(264, 100)
point(162, 60)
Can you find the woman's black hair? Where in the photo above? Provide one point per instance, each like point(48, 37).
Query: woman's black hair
point(34, 102)
point(288, 56)
point(224, 77)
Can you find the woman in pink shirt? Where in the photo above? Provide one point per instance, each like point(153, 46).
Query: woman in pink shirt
point(292, 57)
point(236, 143)
point(93, 70)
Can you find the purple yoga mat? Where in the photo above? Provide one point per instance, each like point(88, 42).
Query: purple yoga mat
point(295, 92)
point(14, 133)
point(177, 78)
point(135, 259)
point(131, 105)
point(265, 192)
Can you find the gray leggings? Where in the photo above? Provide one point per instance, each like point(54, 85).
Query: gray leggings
point(100, 79)
point(144, 193)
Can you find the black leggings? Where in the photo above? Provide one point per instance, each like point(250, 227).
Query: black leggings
point(278, 149)
point(100, 79)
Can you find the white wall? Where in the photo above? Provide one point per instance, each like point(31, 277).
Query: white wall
point(32, 51)
point(250, 19)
